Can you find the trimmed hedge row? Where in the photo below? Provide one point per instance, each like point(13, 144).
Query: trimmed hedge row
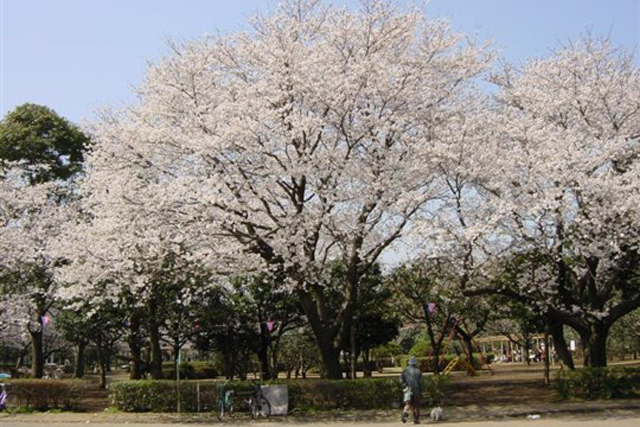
point(367, 393)
point(598, 383)
point(161, 396)
point(39, 394)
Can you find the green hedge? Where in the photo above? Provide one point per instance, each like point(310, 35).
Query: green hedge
point(190, 370)
point(41, 394)
point(161, 396)
point(426, 364)
point(367, 393)
point(598, 383)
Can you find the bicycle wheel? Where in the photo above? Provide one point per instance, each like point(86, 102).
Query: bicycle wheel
point(265, 407)
point(254, 410)
point(220, 411)
point(224, 411)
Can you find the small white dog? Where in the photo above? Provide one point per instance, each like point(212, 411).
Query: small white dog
point(436, 414)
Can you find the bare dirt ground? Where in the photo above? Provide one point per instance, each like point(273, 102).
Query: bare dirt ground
point(511, 393)
point(60, 420)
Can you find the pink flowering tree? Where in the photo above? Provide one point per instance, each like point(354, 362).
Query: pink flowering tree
point(308, 139)
point(544, 204)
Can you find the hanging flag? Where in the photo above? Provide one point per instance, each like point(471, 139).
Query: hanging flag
point(45, 319)
point(431, 307)
point(270, 326)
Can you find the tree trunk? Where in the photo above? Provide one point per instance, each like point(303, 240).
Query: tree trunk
point(556, 329)
point(240, 369)
point(366, 360)
point(155, 365)
point(331, 368)
point(78, 372)
point(354, 352)
point(263, 352)
point(136, 360)
point(527, 352)
point(436, 343)
point(274, 362)
point(101, 364)
point(325, 335)
point(135, 348)
point(468, 346)
point(20, 360)
point(596, 346)
point(107, 358)
point(37, 354)
point(176, 357)
point(547, 354)
point(229, 369)
point(346, 358)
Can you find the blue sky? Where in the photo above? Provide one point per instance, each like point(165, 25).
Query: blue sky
point(77, 55)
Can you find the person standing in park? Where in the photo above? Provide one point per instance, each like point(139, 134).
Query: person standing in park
point(411, 380)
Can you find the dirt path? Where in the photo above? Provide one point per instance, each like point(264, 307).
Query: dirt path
point(64, 420)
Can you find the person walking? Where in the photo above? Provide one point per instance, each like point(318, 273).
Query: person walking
point(411, 380)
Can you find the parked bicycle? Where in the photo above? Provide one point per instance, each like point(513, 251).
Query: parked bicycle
point(257, 404)
point(3, 396)
point(225, 401)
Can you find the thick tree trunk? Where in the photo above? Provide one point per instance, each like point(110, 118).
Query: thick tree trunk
point(595, 344)
point(274, 360)
point(155, 365)
point(556, 329)
point(135, 348)
point(37, 354)
point(102, 368)
point(78, 372)
point(136, 360)
point(325, 334)
point(331, 368)
point(263, 352)
point(468, 347)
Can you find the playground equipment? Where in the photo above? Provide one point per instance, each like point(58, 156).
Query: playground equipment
point(471, 371)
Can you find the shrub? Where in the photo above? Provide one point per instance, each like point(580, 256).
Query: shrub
point(421, 347)
point(598, 383)
point(190, 371)
point(368, 393)
point(41, 394)
point(426, 364)
point(161, 396)
point(360, 366)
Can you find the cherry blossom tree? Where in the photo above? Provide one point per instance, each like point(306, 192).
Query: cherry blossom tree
point(40, 155)
point(306, 140)
point(554, 176)
point(31, 220)
point(132, 264)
